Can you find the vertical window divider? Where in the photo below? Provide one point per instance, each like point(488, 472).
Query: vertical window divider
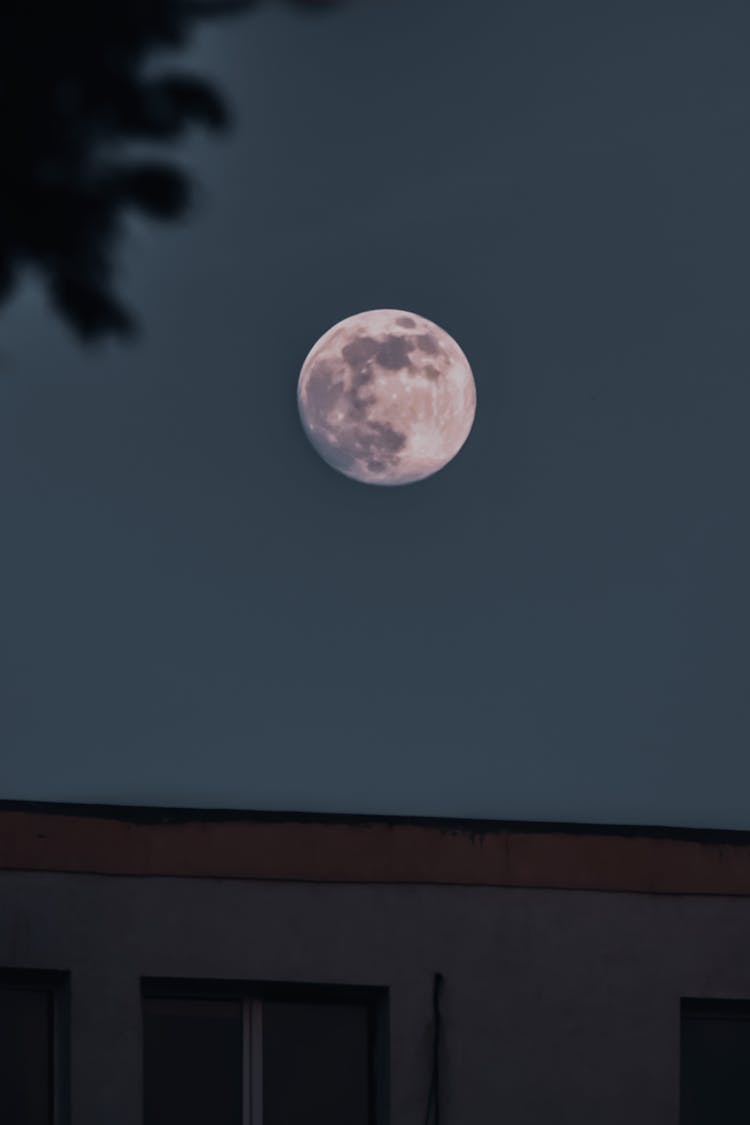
point(60, 1055)
point(256, 1060)
point(246, 1062)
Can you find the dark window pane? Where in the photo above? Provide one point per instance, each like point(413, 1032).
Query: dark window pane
point(715, 1067)
point(315, 1064)
point(192, 1061)
point(26, 1055)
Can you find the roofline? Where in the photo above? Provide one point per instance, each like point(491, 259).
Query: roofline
point(179, 814)
point(143, 841)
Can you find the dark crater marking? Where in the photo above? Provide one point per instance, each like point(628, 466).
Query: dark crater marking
point(359, 351)
point(427, 343)
point(391, 353)
point(355, 439)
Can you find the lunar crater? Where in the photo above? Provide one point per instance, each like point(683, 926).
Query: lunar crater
point(386, 397)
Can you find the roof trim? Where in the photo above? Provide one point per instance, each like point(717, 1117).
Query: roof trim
point(179, 814)
point(361, 848)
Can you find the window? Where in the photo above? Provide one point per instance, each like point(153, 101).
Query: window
point(31, 1077)
point(715, 1062)
point(193, 1060)
point(261, 1056)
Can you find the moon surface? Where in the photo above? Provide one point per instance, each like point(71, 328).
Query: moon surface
point(386, 397)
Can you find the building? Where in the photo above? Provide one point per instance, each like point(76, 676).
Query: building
point(242, 968)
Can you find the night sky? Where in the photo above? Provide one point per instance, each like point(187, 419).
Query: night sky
point(197, 611)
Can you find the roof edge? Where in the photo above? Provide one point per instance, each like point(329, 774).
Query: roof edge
point(168, 814)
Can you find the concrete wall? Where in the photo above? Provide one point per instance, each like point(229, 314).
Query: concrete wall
point(559, 1005)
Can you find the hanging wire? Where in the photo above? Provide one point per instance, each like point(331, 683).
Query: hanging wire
point(433, 1097)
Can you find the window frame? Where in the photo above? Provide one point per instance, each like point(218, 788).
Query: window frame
point(707, 1008)
point(57, 984)
point(252, 994)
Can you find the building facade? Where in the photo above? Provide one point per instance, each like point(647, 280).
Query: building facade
point(162, 965)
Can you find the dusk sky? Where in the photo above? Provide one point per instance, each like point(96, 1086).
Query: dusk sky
point(198, 611)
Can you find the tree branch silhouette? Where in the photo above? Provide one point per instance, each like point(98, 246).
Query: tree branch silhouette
point(72, 95)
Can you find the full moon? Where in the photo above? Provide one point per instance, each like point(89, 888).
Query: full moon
point(386, 397)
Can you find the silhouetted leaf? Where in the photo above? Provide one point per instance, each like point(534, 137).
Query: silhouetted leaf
point(72, 94)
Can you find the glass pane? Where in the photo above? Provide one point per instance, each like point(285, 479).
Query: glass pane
point(26, 1055)
point(715, 1071)
point(192, 1061)
point(315, 1064)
